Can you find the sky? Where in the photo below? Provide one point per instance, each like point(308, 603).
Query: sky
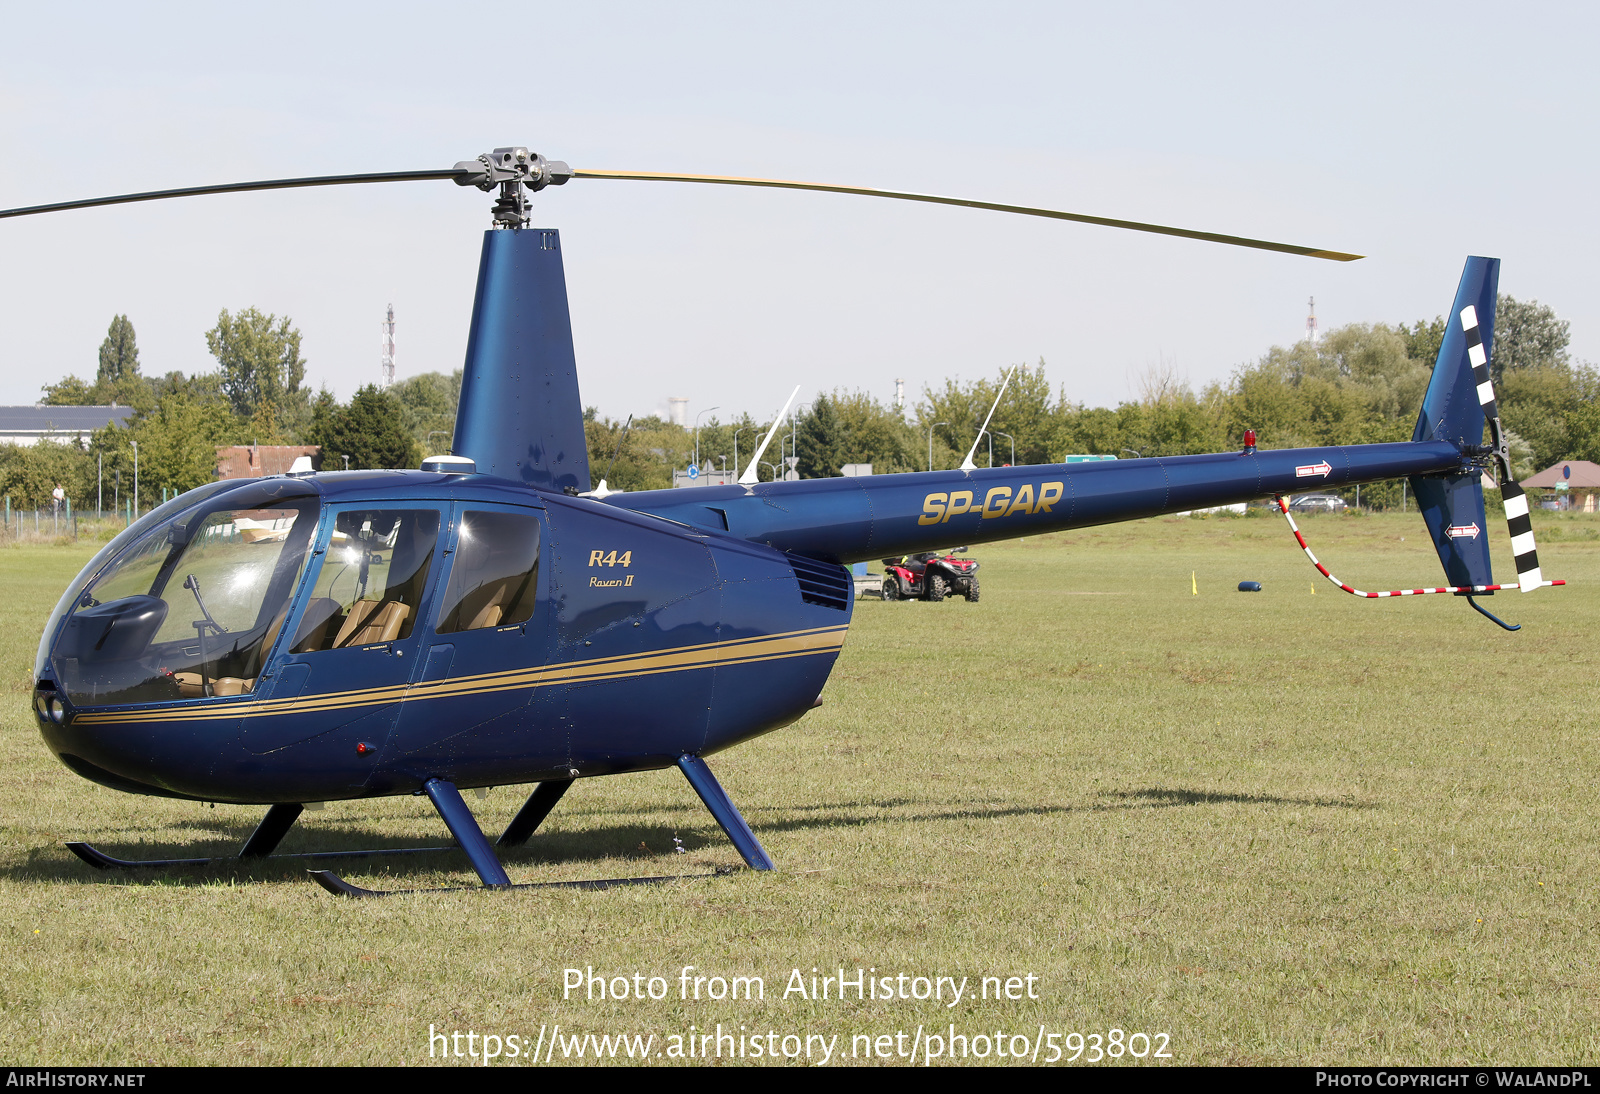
point(1414, 134)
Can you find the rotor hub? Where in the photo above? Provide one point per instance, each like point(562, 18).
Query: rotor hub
point(515, 171)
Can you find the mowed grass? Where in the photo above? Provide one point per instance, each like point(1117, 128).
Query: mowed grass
point(1280, 827)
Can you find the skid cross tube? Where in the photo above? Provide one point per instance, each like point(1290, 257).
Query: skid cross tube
point(270, 832)
point(533, 812)
point(464, 827)
point(705, 784)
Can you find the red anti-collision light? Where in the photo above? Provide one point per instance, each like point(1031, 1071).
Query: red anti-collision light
point(1249, 438)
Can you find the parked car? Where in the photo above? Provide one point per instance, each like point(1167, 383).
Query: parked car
point(1317, 503)
point(930, 576)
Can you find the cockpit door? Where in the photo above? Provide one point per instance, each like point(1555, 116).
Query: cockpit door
point(339, 677)
point(476, 704)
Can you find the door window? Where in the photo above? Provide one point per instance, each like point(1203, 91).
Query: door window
point(372, 581)
point(494, 580)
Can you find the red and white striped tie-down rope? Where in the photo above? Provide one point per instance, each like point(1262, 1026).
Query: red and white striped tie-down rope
point(1283, 506)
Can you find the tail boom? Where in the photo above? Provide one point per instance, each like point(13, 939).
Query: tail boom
point(858, 519)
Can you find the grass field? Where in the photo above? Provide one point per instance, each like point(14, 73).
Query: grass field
point(1284, 827)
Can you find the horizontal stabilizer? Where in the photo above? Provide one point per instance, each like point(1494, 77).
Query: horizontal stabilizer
point(1453, 510)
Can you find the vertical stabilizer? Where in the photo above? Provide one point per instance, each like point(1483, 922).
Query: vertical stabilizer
point(1454, 411)
point(521, 417)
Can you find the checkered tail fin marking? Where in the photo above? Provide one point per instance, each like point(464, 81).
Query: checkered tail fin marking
point(1529, 576)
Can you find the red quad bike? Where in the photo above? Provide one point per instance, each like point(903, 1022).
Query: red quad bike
point(930, 576)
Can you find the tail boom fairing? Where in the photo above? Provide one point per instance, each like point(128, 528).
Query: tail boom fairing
point(858, 519)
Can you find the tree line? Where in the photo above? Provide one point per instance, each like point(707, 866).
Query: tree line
point(1361, 383)
point(256, 395)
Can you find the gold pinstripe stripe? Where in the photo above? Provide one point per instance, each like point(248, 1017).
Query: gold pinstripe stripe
point(737, 651)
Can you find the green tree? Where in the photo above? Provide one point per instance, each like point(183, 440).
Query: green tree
point(1553, 410)
point(1423, 340)
point(369, 432)
point(119, 354)
point(1358, 385)
point(716, 442)
point(1527, 335)
point(260, 365)
point(820, 441)
point(178, 442)
point(70, 391)
point(428, 405)
point(205, 387)
point(645, 453)
point(117, 378)
point(1086, 431)
point(1028, 412)
point(876, 434)
point(28, 474)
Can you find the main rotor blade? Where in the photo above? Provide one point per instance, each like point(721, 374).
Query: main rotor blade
point(1053, 214)
point(236, 187)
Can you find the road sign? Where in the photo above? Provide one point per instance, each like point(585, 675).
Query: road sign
point(694, 472)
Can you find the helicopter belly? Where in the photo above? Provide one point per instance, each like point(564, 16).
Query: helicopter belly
point(172, 752)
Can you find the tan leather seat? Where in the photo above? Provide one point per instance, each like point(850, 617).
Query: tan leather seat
point(370, 623)
point(485, 606)
point(317, 625)
point(190, 685)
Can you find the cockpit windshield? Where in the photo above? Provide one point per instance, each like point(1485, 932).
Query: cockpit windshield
point(192, 608)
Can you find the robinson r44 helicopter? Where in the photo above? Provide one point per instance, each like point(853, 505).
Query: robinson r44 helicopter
point(496, 619)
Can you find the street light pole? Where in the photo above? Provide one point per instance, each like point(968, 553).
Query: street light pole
point(794, 438)
point(697, 418)
point(931, 428)
point(135, 478)
point(1013, 440)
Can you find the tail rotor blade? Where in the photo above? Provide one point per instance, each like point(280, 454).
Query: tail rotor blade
point(1518, 519)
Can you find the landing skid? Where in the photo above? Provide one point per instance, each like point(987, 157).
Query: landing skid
point(258, 848)
point(469, 838)
point(102, 861)
point(340, 887)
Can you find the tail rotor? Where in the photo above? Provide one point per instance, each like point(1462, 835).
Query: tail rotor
point(1518, 520)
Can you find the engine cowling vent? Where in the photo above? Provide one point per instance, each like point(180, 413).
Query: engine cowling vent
point(824, 583)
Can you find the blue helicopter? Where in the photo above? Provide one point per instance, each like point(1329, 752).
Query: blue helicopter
point(494, 618)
